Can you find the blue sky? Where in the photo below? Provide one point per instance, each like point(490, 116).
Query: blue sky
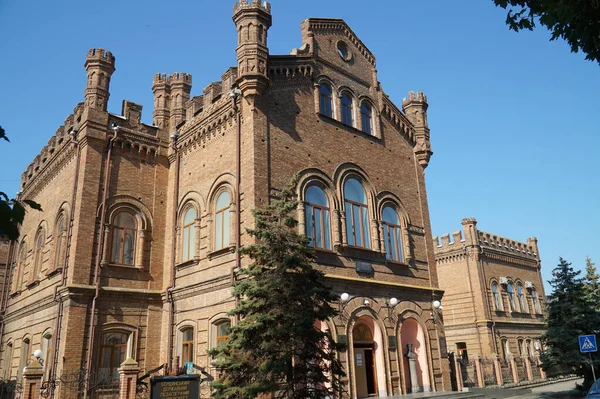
point(514, 118)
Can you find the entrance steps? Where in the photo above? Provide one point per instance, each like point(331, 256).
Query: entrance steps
point(439, 395)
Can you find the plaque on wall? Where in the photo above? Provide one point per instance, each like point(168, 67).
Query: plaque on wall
point(364, 267)
point(343, 339)
point(443, 348)
point(392, 342)
point(175, 387)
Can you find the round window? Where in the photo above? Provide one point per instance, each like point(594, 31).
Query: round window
point(343, 51)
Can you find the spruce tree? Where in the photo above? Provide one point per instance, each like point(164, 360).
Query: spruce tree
point(591, 284)
point(569, 316)
point(275, 347)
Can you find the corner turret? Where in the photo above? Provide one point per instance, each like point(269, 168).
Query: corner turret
point(252, 21)
point(180, 85)
point(100, 65)
point(162, 91)
point(415, 108)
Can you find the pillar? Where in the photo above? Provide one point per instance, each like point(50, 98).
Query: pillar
point(498, 370)
point(479, 372)
point(513, 368)
point(459, 378)
point(128, 373)
point(32, 380)
point(527, 361)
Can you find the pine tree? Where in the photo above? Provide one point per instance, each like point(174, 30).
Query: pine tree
point(275, 347)
point(569, 316)
point(591, 284)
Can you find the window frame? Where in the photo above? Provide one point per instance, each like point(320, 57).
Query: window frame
point(496, 297)
point(38, 254)
point(60, 241)
point(46, 348)
point(363, 209)
point(397, 229)
point(114, 228)
point(8, 357)
point(191, 237)
point(512, 304)
point(536, 302)
point(325, 215)
point(225, 222)
point(326, 107)
point(522, 298)
point(219, 340)
point(366, 128)
point(187, 346)
point(347, 117)
point(128, 352)
point(24, 356)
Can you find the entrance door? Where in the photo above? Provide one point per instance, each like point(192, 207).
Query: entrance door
point(364, 361)
point(370, 370)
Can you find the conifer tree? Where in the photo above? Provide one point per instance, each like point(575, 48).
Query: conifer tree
point(591, 284)
point(275, 347)
point(569, 316)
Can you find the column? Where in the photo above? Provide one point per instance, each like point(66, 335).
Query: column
point(128, 373)
point(513, 368)
point(527, 361)
point(459, 378)
point(479, 372)
point(32, 380)
point(498, 370)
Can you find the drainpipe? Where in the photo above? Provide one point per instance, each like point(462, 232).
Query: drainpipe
point(173, 251)
point(234, 95)
point(99, 252)
point(5, 287)
point(59, 313)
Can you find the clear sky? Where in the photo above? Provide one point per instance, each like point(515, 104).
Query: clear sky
point(515, 119)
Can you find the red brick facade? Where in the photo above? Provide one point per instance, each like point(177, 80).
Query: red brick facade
point(148, 248)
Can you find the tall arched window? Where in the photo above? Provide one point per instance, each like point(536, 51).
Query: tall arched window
point(25, 353)
point(187, 345)
point(19, 269)
point(124, 235)
point(189, 235)
point(59, 246)
point(536, 303)
point(222, 221)
point(521, 295)
point(347, 110)
point(392, 234)
point(8, 353)
point(47, 353)
point(510, 290)
point(113, 352)
point(496, 295)
point(37, 256)
point(325, 100)
point(317, 218)
point(357, 216)
point(366, 117)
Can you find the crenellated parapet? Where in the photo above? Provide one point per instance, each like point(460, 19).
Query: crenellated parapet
point(50, 152)
point(397, 118)
point(506, 245)
point(252, 4)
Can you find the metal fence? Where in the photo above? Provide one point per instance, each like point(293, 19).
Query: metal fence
point(11, 388)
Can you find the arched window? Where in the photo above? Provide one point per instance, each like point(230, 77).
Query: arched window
point(528, 347)
point(25, 353)
point(521, 295)
point(347, 110)
point(47, 353)
point(510, 290)
point(187, 345)
point(8, 353)
point(392, 234)
point(124, 236)
point(59, 246)
point(222, 221)
point(222, 332)
point(317, 218)
point(521, 347)
point(536, 303)
point(505, 348)
point(496, 295)
point(37, 256)
point(113, 352)
point(325, 100)
point(366, 117)
point(19, 269)
point(357, 216)
point(189, 235)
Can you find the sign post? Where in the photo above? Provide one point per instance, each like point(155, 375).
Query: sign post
point(587, 344)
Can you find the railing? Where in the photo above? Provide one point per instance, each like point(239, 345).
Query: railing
point(11, 388)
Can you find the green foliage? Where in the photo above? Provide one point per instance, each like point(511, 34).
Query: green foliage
point(275, 347)
point(12, 212)
point(575, 21)
point(570, 315)
point(591, 284)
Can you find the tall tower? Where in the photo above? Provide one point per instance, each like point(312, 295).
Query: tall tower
point(415, 108)
point(162, 91)
point(100, 65)
point(181, 86)
point(252, 22)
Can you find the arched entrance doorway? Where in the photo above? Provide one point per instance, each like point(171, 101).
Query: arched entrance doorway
point(414, 351)
point(369, 370)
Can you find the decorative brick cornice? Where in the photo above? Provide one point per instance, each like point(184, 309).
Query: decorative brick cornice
point(52, 168)
point(414, 229)
point(397, 118)
point(207, 125)
point(509, 258)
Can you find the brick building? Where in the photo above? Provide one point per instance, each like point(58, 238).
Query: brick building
point(494, 293)
point(134, 255)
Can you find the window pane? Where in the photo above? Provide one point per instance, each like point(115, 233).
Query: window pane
point(128, 247)
point(190, 216)
point(125, 219)
point(387, 241)
point(327, 230)
point(308, 214)
point(186, 247)
point(318, 235)
point(399, 245)
point(347, 110)
point(223, 201)
point(366, 118)
point(325, 100)
point(390, 215)
point(357, 227)
point(367, 239)
point(192, 242)
point(349, 224)
point(316, 195)
point(219, 231)
point(116, 245)
point(354, 191)
point(226, 227)
point(188, 334)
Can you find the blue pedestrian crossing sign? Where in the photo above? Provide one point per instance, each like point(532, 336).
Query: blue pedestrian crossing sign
point(587, 343)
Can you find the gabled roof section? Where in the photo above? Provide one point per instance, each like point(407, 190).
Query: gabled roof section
point(334, 25)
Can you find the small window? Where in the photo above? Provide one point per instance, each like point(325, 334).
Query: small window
point(187, 345)
point(222, 221)
point(59, 251)
point(189, 235)
point(357, 218)
point(521, 295)
point(25, 353)
point(317, 218)
point(347, 110)
point(366, 117)
point(8, 353)
point(222, 332)
point(536, 303)
point(124, 234)
point(37, 256)
point(392, 234)
point(505, 348)
point(528, 347)
point(19, 269)
point(325, 100)
point(521, 345)
point(510, 290)
point(113, 352)
point(496, 295)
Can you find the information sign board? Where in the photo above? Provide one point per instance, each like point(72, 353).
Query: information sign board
point(175, 387)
